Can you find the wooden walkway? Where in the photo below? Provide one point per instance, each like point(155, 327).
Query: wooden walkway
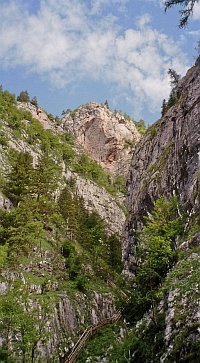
point(88, 333)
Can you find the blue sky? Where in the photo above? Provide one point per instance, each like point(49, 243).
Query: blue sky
point(69, 52)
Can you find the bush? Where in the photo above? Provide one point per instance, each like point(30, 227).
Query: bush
point(155, 256)
point(81, 283)
point(34, 101)
point(3, 139)
point(23, 97)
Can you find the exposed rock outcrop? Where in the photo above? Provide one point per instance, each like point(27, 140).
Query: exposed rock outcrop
point(97, 199)
point(52, 291)
point(182, 312)
point(106, 137)
point(167, 160)
point(39, 114)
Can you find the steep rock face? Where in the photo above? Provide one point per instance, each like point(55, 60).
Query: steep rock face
point(106, 137)
point(99, 200)
point(67, 313)
point(182, 308)
point(40, 115)
point(44, 273)
point(167, 160)
point(96, 198)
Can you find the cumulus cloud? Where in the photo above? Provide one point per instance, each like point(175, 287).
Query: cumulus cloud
point(98, 5)
point(196, 11)
point(64, 41)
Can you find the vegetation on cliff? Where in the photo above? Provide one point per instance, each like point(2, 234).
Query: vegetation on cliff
point(53, 249)
point(50, 245)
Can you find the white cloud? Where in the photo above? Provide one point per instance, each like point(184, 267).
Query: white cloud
point(196, 11)
point(65, 41)
point(98, 5)
point(143, 20)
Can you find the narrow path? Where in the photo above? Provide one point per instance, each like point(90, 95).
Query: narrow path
point(88, 333)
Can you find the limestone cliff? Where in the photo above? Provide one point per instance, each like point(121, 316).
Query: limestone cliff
point(167, 160)
point(58, 274)
point(95, 197)
point(105, 136)
point(165, 163)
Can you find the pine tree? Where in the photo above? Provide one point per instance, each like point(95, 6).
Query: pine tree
point(164, 107)
point(188, 6)
point(106, 104)
point(34, 101)
point(19, 179)
point(115, 255)
point(47, 175)
point(23, 97)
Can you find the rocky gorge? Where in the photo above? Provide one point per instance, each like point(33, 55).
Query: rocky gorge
point(64, 230)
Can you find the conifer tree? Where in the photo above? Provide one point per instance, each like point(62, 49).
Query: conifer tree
point(47, 175)
point(34, 101)
point(187, 5)
point(23, 97)
point(19, 178)
point(164, 107)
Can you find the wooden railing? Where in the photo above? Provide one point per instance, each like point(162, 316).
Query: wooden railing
point(89, 332)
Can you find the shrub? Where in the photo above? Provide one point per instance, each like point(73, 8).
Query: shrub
point(34, 101)
point(23, 97)
point(3, 139)
point(81, 283)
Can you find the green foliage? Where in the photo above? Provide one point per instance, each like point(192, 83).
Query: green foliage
point(81, 283)
point(32, 191)
point(7, 101)
point(20, 232)
point(73, 113)
point(88, 230)
point(5, 356)
point(46, 139)
point(3, 254)
point(23, 179)
point(11, 115)
point(23, 97)
point(174, 78)
point(50, 116)
point(98, 345)
point(19, 178)
point(184, 281)
point(142, 345)
point(21, 324)
point(69, 138)
point(140, 126)
point(115, 254)
point(174, 94)
point(46, 177)
point(164, 108)
point(90, 169)
point(3, 139)
point(129, 143)
point(119, 183)
point(106, 104)
point(34, 101)
point(8, 110)
point(68, 153)
point(153, 129)
point(157, 238)
point(155, 254)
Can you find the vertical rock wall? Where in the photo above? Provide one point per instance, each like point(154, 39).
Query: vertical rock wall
point(167, 161)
